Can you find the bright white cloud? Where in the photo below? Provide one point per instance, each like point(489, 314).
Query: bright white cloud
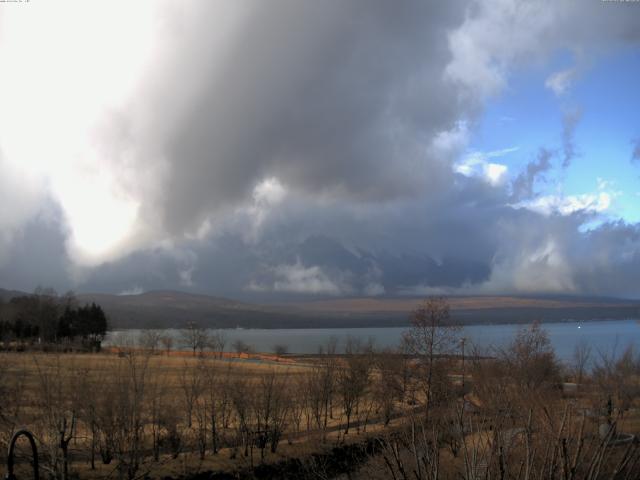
point(135, 290)
point(77, 79)
point(62, 70)
point(497, 36)
point(298, 278)
point(269, 192)
point(543, 267)
point(570, 204)
point(495, 173)
point(477, 164)
point(100, 216)
point(448, 143)
point(267, 196)
point(559, 82)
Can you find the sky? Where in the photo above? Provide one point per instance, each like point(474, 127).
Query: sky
point(286, 150)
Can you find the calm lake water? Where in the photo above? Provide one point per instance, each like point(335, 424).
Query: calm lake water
point(610, 337)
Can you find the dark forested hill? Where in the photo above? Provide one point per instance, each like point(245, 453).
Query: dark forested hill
point(6, 295)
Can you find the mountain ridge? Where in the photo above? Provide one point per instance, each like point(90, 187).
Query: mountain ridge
point(174, 309)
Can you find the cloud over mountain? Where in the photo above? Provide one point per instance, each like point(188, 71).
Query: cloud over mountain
point(296, 148)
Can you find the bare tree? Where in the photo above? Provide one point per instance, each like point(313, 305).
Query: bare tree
point(270, 405)
point(201, 410)
point(617, 378)
point(191, 384)
point(170, 429)
point(59, 413)
point(195, 337)
point(280, 349)
point(218, 402)
point(131, 434)
point(242, 398)
point(240, 346)
point(217, 342)
point(225, 400)
point(150, 339)
point(90, 389)
point(121, 414)
point(162, 414)
point(432, 335)
point(581, 358)
point(154, 406)
point(321, 385)
point(387, 385)
point(353, 379)
point(530, 360)
point(167, 343)
point(299, 404)
point(316, 381)
point(413, 453)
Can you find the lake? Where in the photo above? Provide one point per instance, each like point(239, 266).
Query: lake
point(607, 336)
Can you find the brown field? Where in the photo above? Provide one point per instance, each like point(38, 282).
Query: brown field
point(135, 413)
point(42, 391)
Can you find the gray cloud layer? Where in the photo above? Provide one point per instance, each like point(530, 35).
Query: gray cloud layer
point(335, 99)
point(523, 185)
point(353, 114)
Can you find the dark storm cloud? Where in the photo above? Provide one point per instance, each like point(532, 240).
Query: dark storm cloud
point(37, 256)
point(356, 108)
point(354, 111)
point(468, 242)
point(333, 98)
point(317, 250)
point(613, 253)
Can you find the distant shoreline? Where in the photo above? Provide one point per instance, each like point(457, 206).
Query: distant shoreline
point(603, 335)
point(368, 326)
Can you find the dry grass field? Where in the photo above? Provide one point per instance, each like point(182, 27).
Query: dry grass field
point(131, 413)
point(158, 413)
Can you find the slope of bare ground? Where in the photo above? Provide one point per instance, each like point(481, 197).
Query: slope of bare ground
point(173, 309)
point(406, 305)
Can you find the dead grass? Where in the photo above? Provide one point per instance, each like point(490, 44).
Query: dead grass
point(25, 373)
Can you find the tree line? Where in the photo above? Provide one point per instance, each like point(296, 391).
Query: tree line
point(46, 318)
